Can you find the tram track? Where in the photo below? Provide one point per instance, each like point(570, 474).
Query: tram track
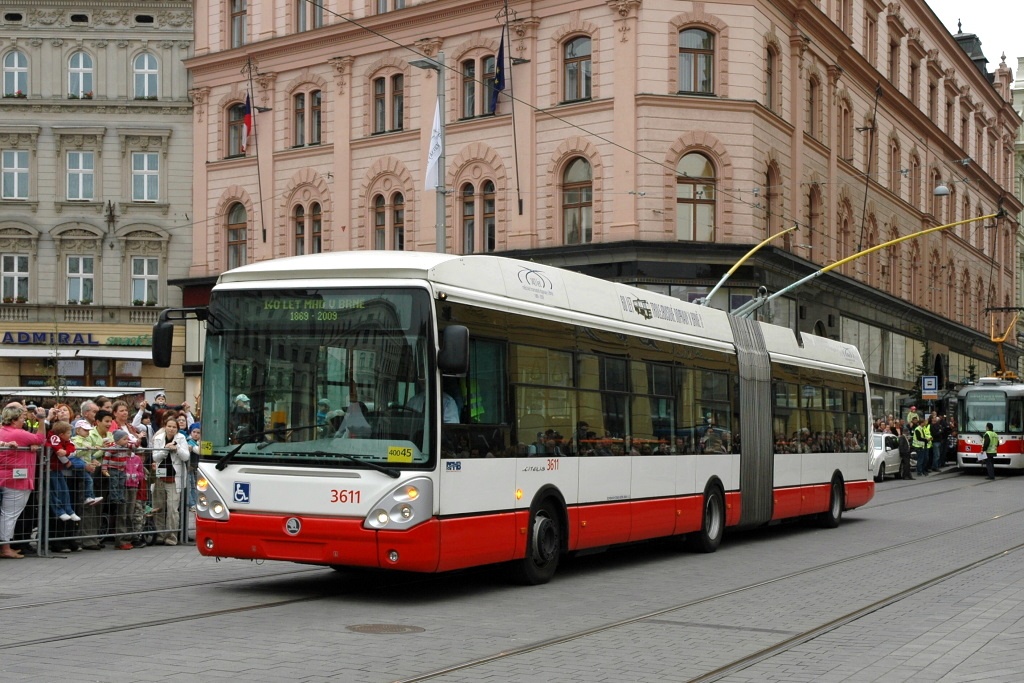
point(405, 581)
point(761, 655)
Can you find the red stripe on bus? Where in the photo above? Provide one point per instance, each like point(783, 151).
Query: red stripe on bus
point(458, 542)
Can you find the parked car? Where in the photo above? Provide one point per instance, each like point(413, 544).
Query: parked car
point(885, 455)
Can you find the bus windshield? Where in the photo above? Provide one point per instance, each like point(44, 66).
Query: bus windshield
point(982, 407)
point(318, 377)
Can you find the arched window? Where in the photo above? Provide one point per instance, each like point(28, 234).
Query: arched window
point(237, 234)
point(814, 226)
point(316, 117)
point(380, 221)
point(80, 76)
point(845, 131)
point(695, 198)
point(814, 108)
point(15, 74)
point(316, 229)
point(236, 130)
point(771, 73)
point(299, 119)
point(299, 229)
point(478, 218)
point(895, 168)
point(146, 77)
point(696, 61)
point(576, 69)
point(389, 219)
point(915, 181)
point(577, 202)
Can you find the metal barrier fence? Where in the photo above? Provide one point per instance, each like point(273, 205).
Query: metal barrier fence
point(130, 513)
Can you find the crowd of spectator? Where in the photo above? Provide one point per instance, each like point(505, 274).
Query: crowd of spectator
point(103, 461)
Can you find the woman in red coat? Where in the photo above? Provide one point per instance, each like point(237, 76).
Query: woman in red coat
point(17, 469)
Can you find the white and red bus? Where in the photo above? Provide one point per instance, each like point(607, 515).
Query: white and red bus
point(1001, 402)
point(428, 412)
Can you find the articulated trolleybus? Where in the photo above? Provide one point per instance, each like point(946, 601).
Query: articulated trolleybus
point(1000, 401)
point(428, 412)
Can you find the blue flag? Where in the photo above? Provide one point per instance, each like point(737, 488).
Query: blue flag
point(499, 73)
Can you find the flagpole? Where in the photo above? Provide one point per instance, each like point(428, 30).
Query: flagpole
point(435, 151)
point(249, 68)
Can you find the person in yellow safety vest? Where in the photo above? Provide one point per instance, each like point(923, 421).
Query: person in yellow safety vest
point(918, 442)
point(990, 446)
point(926, 429)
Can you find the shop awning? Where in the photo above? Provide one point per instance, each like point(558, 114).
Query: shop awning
point(120, 352)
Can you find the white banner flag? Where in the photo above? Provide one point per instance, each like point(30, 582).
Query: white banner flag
point(434, 151)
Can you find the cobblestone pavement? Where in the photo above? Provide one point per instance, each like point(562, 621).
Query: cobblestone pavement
point(125, 616)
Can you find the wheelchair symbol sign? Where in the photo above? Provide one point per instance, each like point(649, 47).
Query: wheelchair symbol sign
point(241, 494)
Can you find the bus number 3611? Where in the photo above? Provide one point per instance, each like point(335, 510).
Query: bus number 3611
point(344, 496)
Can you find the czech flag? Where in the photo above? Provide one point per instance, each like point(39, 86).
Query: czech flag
point(246, 122)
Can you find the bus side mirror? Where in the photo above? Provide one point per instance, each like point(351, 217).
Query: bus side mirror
point(453, 358)
point(163, 331)
point(163, 340)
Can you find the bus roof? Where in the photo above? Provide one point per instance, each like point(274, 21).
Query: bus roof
point(524, 285)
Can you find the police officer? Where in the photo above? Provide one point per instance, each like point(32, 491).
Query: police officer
point(919, 441)
point(990, 444)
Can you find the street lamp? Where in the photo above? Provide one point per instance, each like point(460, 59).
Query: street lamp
point(437, 64)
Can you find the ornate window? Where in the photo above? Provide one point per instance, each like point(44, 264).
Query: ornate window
point(236, 130)
point(80, 279)
point(15, 174)
point(389, 222)
point(895, 168)
point(237, 236)
point(695, 198)
point(845, 131)
point(299, 119)
point(389, 5)
point(145, 279)
point(696, 61)
point(478, 218)
point(315, 117)
point(146, 76)
point(771, 75)
point(389, 103)
point(307, 228)
point(81, 167)
point(814, 108)
point(80, 76)
point(145, 176)
point(15, 74)
point(309, 14)
point(299, 229)
point(578, 202)
point(14, 274)
point(239, 19)
point(576, 69)
point(478, 91)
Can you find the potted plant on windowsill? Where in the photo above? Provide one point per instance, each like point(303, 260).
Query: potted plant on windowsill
point(151, 303)
point(8, 299)
point(72, 302)
point(137, 302)
point(85, 302)
point(20, 300)
point(16, 94)
point(87, 95)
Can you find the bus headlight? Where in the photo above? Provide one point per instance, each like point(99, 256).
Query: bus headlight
point(209, 503)
point(403, 507)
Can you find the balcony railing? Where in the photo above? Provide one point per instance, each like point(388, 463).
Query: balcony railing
point(78, 313)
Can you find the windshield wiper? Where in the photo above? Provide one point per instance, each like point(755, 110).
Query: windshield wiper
point(250, 437)
point(390, 471)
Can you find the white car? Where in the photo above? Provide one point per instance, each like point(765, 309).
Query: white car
point(885, 455)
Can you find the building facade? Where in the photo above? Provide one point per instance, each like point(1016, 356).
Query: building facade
point(96, 144)
point(647, 141)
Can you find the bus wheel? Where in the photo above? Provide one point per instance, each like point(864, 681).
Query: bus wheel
point(831, 518)
point(543, 547)
point(712, 523)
